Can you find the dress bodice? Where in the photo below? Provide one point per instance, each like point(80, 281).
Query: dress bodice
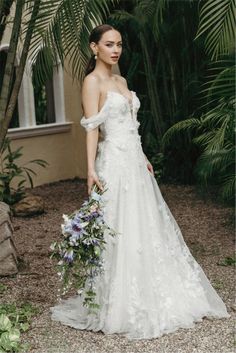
point(117, 116)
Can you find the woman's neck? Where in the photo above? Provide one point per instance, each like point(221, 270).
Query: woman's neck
point(103, 69)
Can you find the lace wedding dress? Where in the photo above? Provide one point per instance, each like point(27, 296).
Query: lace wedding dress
point(151, 283)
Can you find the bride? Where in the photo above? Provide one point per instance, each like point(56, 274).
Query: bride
point(151, 283)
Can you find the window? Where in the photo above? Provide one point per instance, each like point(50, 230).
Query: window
point(44, 102)
point(39, 108)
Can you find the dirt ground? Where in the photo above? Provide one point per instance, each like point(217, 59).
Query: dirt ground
point(208, 230)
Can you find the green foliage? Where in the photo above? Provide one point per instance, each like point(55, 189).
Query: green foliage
point(214, 132)
point(217, 21)
point(211, 127)
point(161, 61)
point(3, 288)
point(228, 261)
point(9, 336)
point(62, 29)
point(156, 157)
point(14, 320)
point(9, 170)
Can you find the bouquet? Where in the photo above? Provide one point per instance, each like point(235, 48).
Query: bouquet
point(79, 251)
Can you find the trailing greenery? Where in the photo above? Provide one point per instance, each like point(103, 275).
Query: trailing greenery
point(14, 320)
point(10, 170)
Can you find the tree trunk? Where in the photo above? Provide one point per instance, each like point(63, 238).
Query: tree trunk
point(172, 79)
point(5, 121)
point(9, 67)
point(166, 91)
point(5, 7)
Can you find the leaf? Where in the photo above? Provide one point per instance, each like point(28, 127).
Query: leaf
point(29, 170)
point(60, 26)
point(217, 21)
point(40, 162)
point(9, 340)
point(5, 323)
point(30, 179)
point(24, 326)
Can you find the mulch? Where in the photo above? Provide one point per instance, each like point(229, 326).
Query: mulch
point(208, 230)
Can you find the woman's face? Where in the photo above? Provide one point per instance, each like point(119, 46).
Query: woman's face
point(109, 48)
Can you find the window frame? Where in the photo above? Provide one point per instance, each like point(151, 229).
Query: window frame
point(26, 105)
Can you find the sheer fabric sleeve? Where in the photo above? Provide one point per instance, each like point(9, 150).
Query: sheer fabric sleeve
point(92, 122)
point(95, 120)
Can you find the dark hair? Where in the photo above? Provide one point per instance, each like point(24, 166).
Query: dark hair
point(95, 36)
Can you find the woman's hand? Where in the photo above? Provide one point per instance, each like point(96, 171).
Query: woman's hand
point(93, 179)
point(150, 167)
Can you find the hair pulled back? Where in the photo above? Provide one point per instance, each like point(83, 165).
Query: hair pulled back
point(95, 37)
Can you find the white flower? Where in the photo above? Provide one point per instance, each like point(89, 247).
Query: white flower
point(65, 217)
point(53, 246)
point(84, 224)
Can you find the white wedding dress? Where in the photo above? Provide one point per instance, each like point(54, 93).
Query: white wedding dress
point(151, 283)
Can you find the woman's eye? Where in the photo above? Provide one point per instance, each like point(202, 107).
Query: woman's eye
point(110, 45)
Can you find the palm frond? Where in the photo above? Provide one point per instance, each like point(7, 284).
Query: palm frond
point(181, 126)
point(63, 28)
point(221, 83)
point(227, 189)
point(216, 162)
point(217, 20)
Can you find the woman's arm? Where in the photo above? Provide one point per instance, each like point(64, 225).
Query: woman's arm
point(90, 102)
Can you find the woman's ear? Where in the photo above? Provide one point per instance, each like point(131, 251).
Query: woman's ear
point(93, 47)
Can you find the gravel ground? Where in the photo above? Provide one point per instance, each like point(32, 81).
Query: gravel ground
point(208, 231)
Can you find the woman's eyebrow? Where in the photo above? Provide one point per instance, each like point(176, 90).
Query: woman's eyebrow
point(110, 41)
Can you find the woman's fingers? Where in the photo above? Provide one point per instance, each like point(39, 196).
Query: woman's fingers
point(91, 182)
point(150, 168)
point(99, 184)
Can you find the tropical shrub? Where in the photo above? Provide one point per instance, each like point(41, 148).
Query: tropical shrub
point(212, 127)
point(10, 170)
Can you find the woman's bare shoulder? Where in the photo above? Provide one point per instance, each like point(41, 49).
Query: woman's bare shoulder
point(90, 82)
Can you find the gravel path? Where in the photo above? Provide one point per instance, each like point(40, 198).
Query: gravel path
point(208, 231)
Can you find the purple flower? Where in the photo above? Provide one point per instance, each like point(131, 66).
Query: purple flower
point(76, 226)
point(69, 255)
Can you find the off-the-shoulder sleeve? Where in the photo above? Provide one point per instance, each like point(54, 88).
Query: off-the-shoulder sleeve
point(92, 122)
point(95, 120)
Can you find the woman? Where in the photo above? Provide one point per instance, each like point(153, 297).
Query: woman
point(151, 284)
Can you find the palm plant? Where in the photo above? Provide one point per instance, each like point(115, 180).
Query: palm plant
point(143, 19)
point(44, 31)
point(214, 131)
point(161, 60)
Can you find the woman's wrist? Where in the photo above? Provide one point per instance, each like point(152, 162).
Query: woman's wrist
point(91, 171)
